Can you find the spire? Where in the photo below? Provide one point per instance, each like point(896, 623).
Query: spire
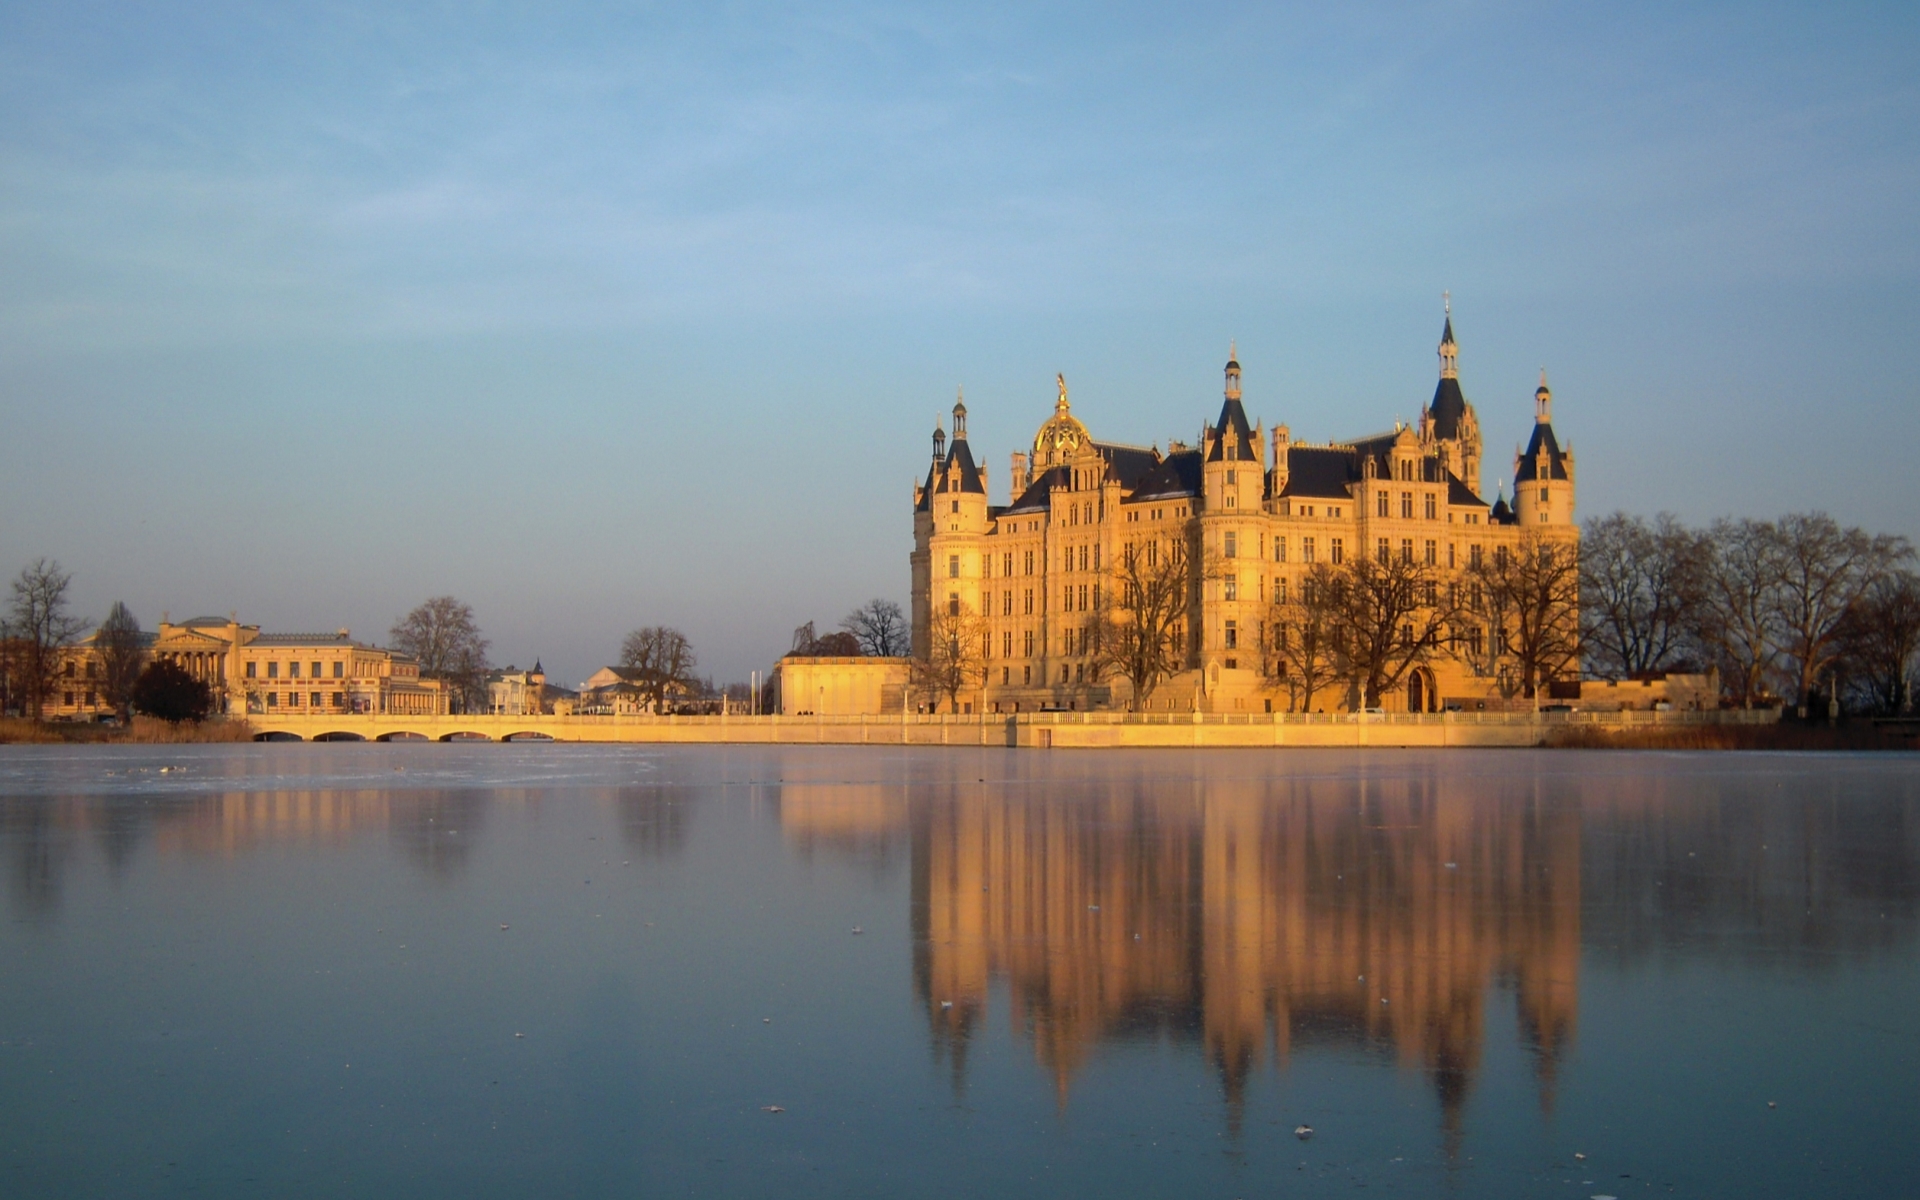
point(1543, 401)
point(939, 442)
point(1233, 372)
point(1449, 368)
point(960, 415)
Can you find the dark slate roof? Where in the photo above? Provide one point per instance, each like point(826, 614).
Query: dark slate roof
point(1315, 472)
point(1449, 405)
point(1176, 475)
point(1128, 464)
point(1460, 493)
point(1034, 499)
point(926, 493)
point(1233, 424)
point(961, 475)
point(1501, 514)
point(1543, 437)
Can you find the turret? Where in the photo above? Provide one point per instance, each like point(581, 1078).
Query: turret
point(1448, 425)
point(1233, 452)
point(1543, 475)
point(1282, 442)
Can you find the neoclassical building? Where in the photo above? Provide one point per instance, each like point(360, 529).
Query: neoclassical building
point(1255, 506)
point(251, 671)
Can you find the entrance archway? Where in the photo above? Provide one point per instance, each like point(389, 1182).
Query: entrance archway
point(1421, 695)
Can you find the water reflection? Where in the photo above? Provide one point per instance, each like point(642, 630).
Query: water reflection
point(1252, 918)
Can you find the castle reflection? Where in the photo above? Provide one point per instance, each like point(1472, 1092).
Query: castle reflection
point(1253, 918)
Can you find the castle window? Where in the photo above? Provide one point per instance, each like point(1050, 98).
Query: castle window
point(1029, 562)
point(1083, 597)
point(1066, 604)
point(315, 673)
point(250, 670)
point(1279, 549)
point(1380, 504)
point(293, 670)
point(1026, 675)
point(314, 700)
point(1406, 505)
point(1433, 553)
point(953, 604)
point(1280, 597)
point(1233, 635)
point(1006, 564)
point(1027, 638)
point(1229, 543)
point(1406, 550)
point(1005, 674)
point(339, 671)
point(1232, 479)
point(1431, 506)
point(1233, 453)
point(1029, 601)
point(1306, 550)
point(1383, 551)
point(953, 566)
point(1230, 588)
point(1337, 552)
point(1473, 556)
point(956, 506)
point(1543, 495)
point(1006, 604)
point(1449, 556)
point(1006, 646)
point(273, 670)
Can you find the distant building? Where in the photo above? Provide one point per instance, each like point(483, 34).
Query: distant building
point(515, 693)
point(255, 672)
point(1251, 512)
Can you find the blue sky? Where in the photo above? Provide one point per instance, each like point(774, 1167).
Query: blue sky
point(606, 316)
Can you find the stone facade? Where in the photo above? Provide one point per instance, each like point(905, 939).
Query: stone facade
point(1252, 511)
point(255, 672)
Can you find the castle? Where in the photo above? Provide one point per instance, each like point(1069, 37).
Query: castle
point(1251, 513)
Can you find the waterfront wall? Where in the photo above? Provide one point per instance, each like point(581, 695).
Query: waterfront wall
point(1057, 731)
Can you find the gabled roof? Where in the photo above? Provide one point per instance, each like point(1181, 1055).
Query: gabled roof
point(1528, 469)
point(1176, 475)
point(1034, 499)
point(1460, 493)
point(1320, 472)
point(1232, 428)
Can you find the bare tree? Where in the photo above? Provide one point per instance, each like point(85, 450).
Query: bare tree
point(442, 637)
point(1139, 621)
point(1301, 634)
point(122, 650)
point(1824, 570)
point(1736, 612)
point(839, 644)
point(880, 628)
point(1880, 641)
point(956, 658)
point(38, 625)
point(1534, 585)
point(1636, 584)
point(1390, 616)
point(664, 659)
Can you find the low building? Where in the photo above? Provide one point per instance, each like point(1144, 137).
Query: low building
point(512, 692)
point(837, 686)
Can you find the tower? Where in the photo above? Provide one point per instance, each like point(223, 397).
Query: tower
point(1543, 473)
point(1449, 428)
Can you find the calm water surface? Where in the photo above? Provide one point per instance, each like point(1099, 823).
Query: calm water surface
point(339, 970)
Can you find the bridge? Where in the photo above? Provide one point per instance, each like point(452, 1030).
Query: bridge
point(1038, 730)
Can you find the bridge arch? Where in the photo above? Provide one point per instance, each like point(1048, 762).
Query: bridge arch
point(529, 735)
point(464, 735)
point(277, 735)
point(401, 735)
point(338, 735)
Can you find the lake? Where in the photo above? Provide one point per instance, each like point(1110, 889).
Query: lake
point(555, 970)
